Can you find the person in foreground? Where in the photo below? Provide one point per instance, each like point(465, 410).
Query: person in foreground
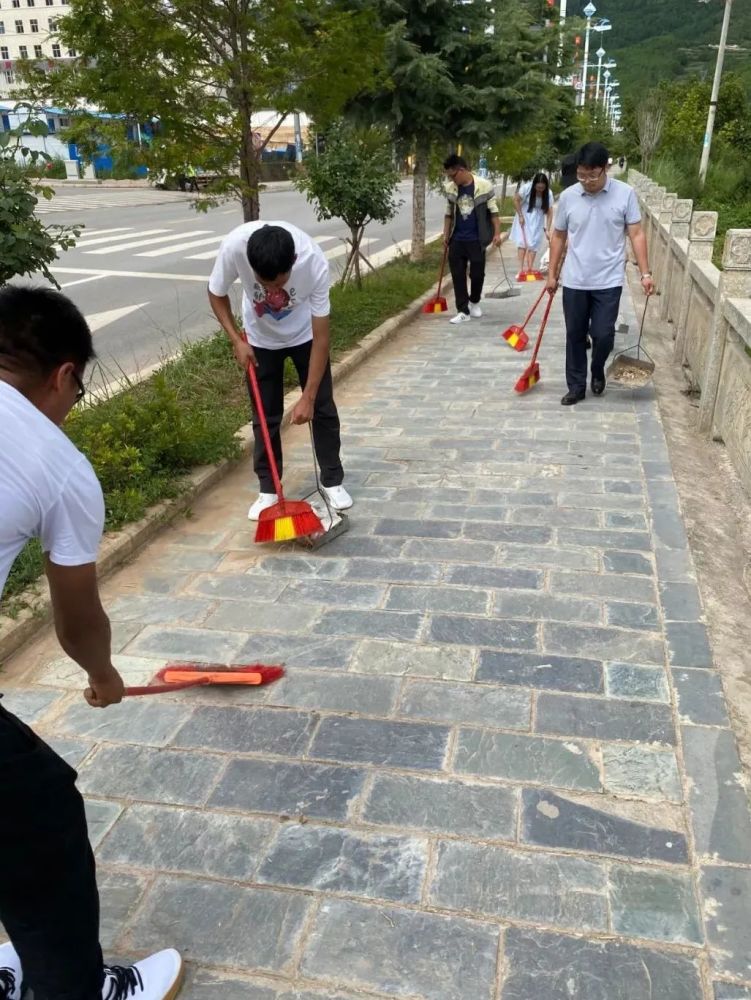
point(471, 224)
point(285, 310)
point(594, 217)
point(49, 904)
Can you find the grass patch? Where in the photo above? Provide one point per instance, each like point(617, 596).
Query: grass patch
point(143, 440)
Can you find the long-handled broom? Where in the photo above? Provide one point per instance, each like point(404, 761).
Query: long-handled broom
point(177, 676)
point(515, 335)
point(510, 291)
point(531, 374)
point(286, 519)
point(438, 303)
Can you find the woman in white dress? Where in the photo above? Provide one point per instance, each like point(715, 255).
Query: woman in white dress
point(534, 219)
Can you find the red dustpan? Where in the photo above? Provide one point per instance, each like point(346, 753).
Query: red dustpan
point(515, 335)
point(531, 374)
point(530, 276)
point(438, 304)
point(176, 676)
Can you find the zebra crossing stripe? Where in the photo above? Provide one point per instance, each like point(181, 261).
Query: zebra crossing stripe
point(163, 251)
point(128, 234)
point(102, 251)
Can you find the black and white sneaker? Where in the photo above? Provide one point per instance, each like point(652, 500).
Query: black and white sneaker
point(10, 973)
point(158, 977)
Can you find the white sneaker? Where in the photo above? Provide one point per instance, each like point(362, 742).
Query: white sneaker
point(158, 977)
point(474, 310)
point(460, 318)
point(264, 500)
point(10, 973)
point(338, 497)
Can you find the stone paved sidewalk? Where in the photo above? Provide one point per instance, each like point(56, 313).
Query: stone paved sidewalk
point(500, 765)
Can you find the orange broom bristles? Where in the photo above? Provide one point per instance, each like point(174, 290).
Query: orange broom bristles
point(286, 520)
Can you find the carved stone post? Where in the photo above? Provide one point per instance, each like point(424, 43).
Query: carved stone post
point(701, 234)
point(679, 226)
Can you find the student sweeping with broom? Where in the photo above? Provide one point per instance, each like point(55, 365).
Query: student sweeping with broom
point(285, 310)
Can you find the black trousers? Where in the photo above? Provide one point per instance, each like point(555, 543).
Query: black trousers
point(326, 436)
point(592, 313)
point(462, 253)
point(49, 904)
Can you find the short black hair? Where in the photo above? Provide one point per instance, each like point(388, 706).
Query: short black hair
point(271, 252)
point(41, 329)
point(453, 161)
point(592, 154)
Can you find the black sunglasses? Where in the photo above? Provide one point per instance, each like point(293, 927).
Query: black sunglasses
point(81, 387)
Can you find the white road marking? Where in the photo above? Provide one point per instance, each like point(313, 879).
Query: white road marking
point(160, 275)
point(144, 243)
point(128, 234)
point(206, 255)
point(82, 281)
point(324, 239)
point(336, 252)
point(101, 319)
point(163, 251)
point(102, 232)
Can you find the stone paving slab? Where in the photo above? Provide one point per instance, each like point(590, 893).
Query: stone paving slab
point(500, 765)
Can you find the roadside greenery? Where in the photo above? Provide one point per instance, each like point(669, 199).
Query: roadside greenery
point(145, 439)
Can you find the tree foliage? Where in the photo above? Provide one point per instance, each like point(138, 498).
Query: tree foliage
point(27, 246)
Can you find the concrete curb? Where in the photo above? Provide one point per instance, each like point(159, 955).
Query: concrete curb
point(118, 547)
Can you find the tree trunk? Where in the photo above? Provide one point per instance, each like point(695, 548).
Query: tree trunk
point(504, 188)
point(249, 173)
point(419, 183)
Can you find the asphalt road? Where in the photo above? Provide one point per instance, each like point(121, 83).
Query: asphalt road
point(139, 271)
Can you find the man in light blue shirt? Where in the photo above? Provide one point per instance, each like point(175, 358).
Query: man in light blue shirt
point(594, 217)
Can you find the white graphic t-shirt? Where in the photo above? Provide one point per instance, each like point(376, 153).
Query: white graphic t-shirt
point(275, 319)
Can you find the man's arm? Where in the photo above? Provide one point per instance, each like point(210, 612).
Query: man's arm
point(83, 629)
point(447, 220)
point(639, 245)
point(557, 245)
point(222, 309)
point(319, 356)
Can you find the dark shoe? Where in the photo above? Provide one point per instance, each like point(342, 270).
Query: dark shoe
point(598, 386)
point(572, 397)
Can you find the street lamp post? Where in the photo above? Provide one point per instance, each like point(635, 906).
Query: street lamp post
point(589, 11)
point(704, 164)
point(600, 53)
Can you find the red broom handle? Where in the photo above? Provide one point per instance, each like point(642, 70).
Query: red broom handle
point(533, 309)
point(265, 431)
point(548, 307)
point(130, 692)
point(443, 266)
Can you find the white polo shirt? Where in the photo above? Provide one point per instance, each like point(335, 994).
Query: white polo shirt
point(48, 489)
point(596, 227)
point(275, 325)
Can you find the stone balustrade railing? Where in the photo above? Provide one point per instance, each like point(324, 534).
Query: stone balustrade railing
point(709, 309)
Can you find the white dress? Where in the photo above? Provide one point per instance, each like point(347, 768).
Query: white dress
point(535, 220)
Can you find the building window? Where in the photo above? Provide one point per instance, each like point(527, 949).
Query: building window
point(9, 77)
point(56, 52)
point(4, 52)
point(50, 2)
point(72, 53)
point(19, 27)
point(52, 23)
point(38, 52)
point(16, 3)
point(2, 27)
point(34, 26)
point(29, 3)
point(23, 52)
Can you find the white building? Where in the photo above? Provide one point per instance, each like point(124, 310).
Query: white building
point(27, 31)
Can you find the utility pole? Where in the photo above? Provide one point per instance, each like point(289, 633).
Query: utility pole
point(589, 11)
point(703, 166)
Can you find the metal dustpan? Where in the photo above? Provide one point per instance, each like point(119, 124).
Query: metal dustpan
point(333, 522)
point(632, 371)
point(509, 292)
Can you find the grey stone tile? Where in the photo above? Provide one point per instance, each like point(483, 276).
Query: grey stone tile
point(674, 565)
point(604, 586)
point(73, 752)
point(546, 606)
point(603, 643)
point(422, 528)
point(625, 541)
point(392, 571)
point(402, 952)
point(688, 644)
point(247, 730)
point(399, 658)
point(449, 494)
point(186, 840)
point(119, 896)
point(497, 882)
point(451, 807)
point(552, 517)
point(642, 773)
point(548, 557)
point(627, 562)
point(549, 820)
point(517, 498)
point(336, 692)
point(180, 559)
point(204, 645)
point(397, 744)
point(332, 593)
point(614, 519)
point(516, 534)
point(134, 720)
point(668, 529)
point(718, 798)
point(328, 652)
point(700, 697)
point(209, 921)
point(729, 991)
point(600, 718)
point(100, 815)
point(629, 680)
point(727, 909)
point(203, 984)
point(555, 967)
point(288, 789)
point(601, 501)
point(332, 860)
point(246, 617)
point(525, 758)
point(657, 470)
point(370, 624)
point(626, 614)
point(495, 577)
point(153, 609)
point(31, 704)
point(474, 512)
point(501, 634)
point(474, 704)
point(130, 772)
point(540, 670)
point(449, 550)
point(297, 566)
point(460, 600)
point(680, 601)
point(648, 903)
point(353, 545)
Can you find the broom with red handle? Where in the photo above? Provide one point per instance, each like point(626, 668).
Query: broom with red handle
point(438, 303)
point(286, 519)
point(531, 374)
point(177, 676)
point(516, 336)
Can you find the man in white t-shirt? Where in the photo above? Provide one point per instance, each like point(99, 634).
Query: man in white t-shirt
point(285, 310)
point(49, 904)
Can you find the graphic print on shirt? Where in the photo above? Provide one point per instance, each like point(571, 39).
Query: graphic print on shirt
point(466, 205)
point(276, 303)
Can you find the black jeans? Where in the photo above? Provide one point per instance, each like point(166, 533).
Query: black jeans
point(49, 902)
point(592, 313)
point(326, 437)
point(461, 253)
